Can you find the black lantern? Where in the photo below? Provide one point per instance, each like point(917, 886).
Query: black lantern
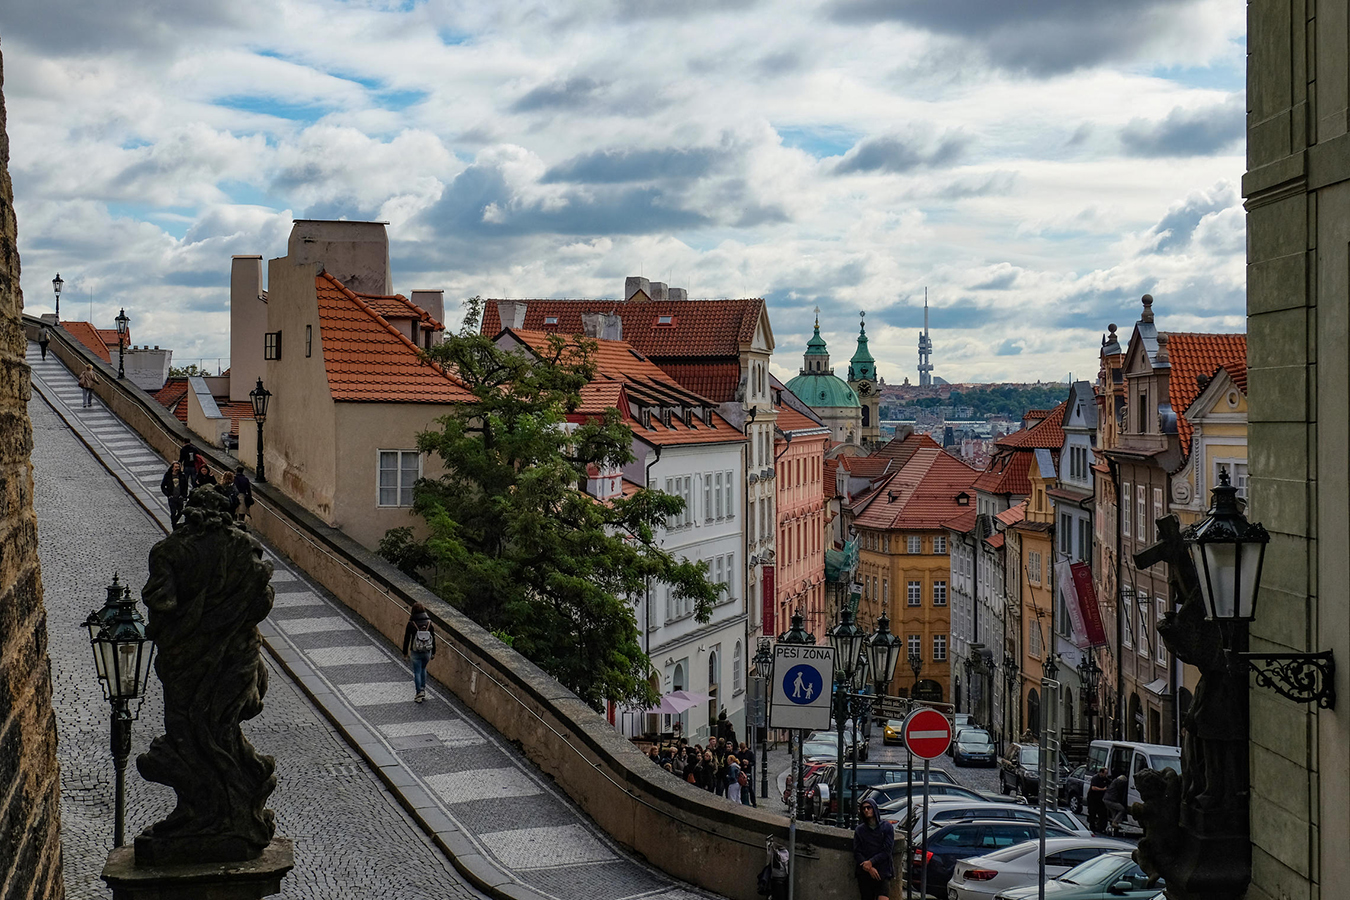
point(122, 658)
point(259, 397)
point(797, 634)
point(1228, 552)
point(122, 323)
point(884, 648)
point(56, 288)
point(763, 659)
point(1050, 668)
point(847, 639)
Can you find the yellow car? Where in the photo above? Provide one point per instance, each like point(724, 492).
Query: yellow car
point(894, 732)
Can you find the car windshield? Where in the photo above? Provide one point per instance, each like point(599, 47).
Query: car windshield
point(819, 748)
point(895, 724)
point(1094, 871)
point(1031, 756)
point(1167, 762)
point(975, 738)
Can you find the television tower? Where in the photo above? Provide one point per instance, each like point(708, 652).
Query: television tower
point(925, 349)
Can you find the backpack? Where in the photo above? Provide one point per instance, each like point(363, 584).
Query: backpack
point(422, 640)
point(742, 779)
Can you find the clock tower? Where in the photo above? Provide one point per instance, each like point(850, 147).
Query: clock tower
point(862, 377)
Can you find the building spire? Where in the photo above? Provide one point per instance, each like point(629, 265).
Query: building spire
point(925, 348)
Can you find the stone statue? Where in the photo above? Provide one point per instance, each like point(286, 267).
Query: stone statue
point(209, 588)
point(1159, 814)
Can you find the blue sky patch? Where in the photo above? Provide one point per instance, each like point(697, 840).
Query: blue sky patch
point(821, 141)
point(272, 106)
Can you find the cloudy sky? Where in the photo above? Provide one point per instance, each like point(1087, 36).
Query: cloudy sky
point(1037, 165)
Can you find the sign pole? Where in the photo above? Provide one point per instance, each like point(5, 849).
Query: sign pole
point(792, 816)
point(923, 854)
point(909, 817)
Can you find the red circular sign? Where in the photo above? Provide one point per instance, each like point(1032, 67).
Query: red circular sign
point(928, 734)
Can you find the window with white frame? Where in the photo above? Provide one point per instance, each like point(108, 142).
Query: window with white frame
point(728, 495)
point(1157, 508)
point(717, 493)
point(719, 576)
point(707, 498)
point(730, 591)
point(1159, 648)
point(885, 590)
point(939, 648)
point(1127, 618)
point(1084, 539)
point(914, 593)
point(1034, 566)
point(940, 544)
point(915, 544)
point(886, 543)
point(1066, 534)
point(1125, 510)
point(914, 643)
point(1141, 510)
point(1034, 640)
point(1141, 637)
point(1237, 474)
point(940, 593)
point(399, 471)
point(737, 665)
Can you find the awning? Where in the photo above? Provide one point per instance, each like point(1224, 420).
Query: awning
point(1157, 687)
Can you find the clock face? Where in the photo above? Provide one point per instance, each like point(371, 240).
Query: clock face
point(864, 388)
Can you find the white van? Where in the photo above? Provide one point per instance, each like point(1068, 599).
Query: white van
point(1130, 757)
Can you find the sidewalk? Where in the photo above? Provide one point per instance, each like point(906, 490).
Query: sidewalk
point(506, 828)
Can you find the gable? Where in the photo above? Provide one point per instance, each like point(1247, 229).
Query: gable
point(763, 339)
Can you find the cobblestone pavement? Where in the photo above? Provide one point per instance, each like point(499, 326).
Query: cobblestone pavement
point(479, 797)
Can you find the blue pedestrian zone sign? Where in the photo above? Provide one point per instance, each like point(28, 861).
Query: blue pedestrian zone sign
point(801, 682)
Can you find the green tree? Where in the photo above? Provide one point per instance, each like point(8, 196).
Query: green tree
point(186, 371)
point(515, 541)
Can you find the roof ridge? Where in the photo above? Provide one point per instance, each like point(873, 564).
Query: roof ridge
point(381, 320)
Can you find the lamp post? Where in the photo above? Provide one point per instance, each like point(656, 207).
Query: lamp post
point(915, 663)
point(764, 670)
point(57, 283)
point(1089, 674)
point(1010, 669)
point(122, 657)
point(122, 323)
point(847, 639)
point(259, 397)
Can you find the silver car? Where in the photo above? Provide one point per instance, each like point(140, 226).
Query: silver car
point(981, 877)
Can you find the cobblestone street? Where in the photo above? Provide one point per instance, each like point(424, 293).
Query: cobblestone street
point(351, 839)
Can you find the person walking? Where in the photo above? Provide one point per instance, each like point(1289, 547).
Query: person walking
point(44, 338)
point(1114, 799)
point(176, 487)
point(873, 850)
point(243, 496)
point(88, 380)
point(419, 643)
point(1095, 800)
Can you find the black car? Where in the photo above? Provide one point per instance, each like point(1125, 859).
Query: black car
point(823, 788)
point(1073, 789)
point(882, 794)
point(973, 747)
point(1019, 770)
point(950, 844)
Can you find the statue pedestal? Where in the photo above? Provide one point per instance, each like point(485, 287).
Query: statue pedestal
point(246, 880)
point(1216, 867)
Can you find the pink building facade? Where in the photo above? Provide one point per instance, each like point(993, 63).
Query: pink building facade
point(799, 451)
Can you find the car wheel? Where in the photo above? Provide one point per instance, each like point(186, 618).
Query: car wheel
point(1075, 803)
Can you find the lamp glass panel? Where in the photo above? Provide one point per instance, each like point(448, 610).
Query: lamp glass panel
point(146, 660)
point(94, 631)
point(1250, 560)
point(1218, 579)
point(107, 651)
point(128, 669)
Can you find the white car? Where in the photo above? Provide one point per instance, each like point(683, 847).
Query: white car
point(981, 877)
point(945, 810)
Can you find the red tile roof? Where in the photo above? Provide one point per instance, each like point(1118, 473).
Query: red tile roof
point(964, 523)
point(1237, 370)
point(237, 411)
point(368, 359)
point(922, 495)
point(397, 306)
point(791, 420)
point(1193, 354)
point(1013, 514)
point(1007, 473)
point(1047, 434)
point(716, 380)
point(700, 328)
point(89, 336)
point(995, 540)
point(828, 477)
point(173, 397)
point(868, 466)
point(629, 382)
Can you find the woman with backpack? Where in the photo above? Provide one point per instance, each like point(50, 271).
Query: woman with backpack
point(419, 643)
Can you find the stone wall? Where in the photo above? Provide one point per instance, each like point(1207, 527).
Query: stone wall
point(675, 827)
point(30, 802)
point(1297, 191)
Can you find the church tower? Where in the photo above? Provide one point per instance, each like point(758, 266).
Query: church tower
point(862, 377)
point(828, 395)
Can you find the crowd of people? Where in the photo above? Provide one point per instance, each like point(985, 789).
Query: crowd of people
point(724, 767)
point(190, 472)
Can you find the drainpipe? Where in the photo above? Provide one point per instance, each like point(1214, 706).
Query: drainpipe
point(1118, 730)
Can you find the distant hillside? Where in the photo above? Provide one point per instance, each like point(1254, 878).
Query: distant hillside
point(987, 400)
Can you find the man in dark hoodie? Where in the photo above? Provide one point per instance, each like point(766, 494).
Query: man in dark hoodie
point(873, 852)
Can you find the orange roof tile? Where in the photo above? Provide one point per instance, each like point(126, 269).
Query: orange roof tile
point(400, 307)
point(173, 396)
point(995, 540)
point(922, 495)
point(88, 335)
point(714, 380)
point(1237, 370)
point(1007, 474)
point(1193, 354)
point(1047, 434)
point(828, 477)
point(868, 466)
point(698, 328)
point(964, 523)
point(367, 359)
point(791, 420)
point(1013, 514)
point(629, 382)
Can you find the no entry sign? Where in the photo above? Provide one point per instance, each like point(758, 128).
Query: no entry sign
point(927, 733)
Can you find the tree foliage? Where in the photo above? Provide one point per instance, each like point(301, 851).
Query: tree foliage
point(516, 542)
point(186, 371)
point(995, 399)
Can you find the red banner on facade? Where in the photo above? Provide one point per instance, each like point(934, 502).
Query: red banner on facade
point(769, 600)
point(1087, 604)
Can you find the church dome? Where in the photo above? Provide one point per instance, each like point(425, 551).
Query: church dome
point(821, 389)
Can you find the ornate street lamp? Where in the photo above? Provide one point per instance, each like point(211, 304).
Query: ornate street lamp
point(122, 658)
point(797, 634)
point(848, 640)
point(763, 660)
point(57, 283)
point(1089, 674)
point(259, 397)
point(122, 323)
point(1010, 670)
point(884, 648)
point(1228, 552)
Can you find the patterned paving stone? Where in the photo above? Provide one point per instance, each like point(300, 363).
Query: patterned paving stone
point(468, 758)
point(450, 732)
point(288, 601)
point(539, 848)
point(483, 784)
point(310, 626)
point(507, 813)
point(378, 692)
point(348, 656)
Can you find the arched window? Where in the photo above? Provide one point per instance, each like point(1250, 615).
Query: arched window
point(737, 668)
point(867, 415)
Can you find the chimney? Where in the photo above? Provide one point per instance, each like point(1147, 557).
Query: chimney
point(592, 324)
point(658, 291)
point(611, 327)
point(355, 253)
point(634, 283)
point(678, 294)
point(432, 301)
point(512, 313)
point(248, 323)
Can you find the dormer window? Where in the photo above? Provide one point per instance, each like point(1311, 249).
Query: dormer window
point(665, 320)
point(963, 499)
point(551, 320)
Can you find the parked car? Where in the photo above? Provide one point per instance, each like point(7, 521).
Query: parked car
point(952, 843)
point(1113, 875)
point(961, 719)
point(1073, 789)
point(882, 794)
point(894, 732)
point(823, 787)
point(943, 810)
point(824, 746)
point(981, 877)
point(1131, 757)
point(973, 747)
point(1019, 769)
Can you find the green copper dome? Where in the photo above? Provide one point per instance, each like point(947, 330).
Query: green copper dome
point(862, 366)
point(816, 346)
point(821, 389)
